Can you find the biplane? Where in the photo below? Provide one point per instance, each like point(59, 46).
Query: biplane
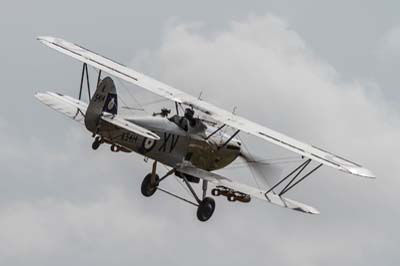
point(192, 147)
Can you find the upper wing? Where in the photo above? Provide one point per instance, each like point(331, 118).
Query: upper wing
point(159, 88)
point(76, 110)
point(218, 180)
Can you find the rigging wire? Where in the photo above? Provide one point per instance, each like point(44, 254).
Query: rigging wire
point(155, 102)
point(178, 181)
point(131, 95)
point(141, 105)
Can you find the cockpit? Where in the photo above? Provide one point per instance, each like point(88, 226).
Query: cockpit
point(188, 122)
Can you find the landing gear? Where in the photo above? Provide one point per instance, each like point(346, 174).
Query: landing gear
point(96, 143)
point(205, 205)
point(150, 182)
point(149, 186)
point(205, 209)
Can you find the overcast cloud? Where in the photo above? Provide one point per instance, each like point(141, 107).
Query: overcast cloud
point(63, 204)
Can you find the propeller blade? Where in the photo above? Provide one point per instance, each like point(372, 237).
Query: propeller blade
point(266, 172)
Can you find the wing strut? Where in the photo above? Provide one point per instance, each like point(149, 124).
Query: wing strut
point(85, 71)
point(172, 171)
point(296, 172)
point(226, 142)
point(215, 132)
point(287, 188)
point(99, 77)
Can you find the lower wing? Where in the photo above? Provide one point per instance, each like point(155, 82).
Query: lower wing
point(66, 105)
point(76, 110)
point(218, 180)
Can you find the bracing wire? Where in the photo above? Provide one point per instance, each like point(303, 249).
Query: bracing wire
point(131, 95)
point(178, 181)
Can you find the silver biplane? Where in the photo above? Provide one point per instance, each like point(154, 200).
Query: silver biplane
point(191, 146)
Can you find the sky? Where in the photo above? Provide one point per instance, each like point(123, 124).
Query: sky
point(322, 72)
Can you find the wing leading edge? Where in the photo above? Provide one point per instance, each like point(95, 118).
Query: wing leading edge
point(116, 69)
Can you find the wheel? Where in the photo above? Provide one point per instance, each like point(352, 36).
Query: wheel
point(231, 198)
point(114, 148)
point(206, 209)
point(215, 192)
point(96, 143)
point(148, 189)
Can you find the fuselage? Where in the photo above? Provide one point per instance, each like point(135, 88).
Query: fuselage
point(176, 143)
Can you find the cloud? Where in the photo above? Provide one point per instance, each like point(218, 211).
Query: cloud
point(50, 228)
point(261, 62)
point(270, 73)
point(390, 43)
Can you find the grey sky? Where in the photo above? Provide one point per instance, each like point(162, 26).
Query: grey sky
point(323, 72)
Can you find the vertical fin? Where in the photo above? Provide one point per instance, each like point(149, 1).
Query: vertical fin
point(104, 100)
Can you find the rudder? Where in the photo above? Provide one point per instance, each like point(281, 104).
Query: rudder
point(104, 100)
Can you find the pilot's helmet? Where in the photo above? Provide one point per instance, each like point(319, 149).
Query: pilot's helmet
point(189, 113)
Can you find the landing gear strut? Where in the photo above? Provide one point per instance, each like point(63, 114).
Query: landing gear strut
point(150, 182)
point(205, 206)
point(96, 143)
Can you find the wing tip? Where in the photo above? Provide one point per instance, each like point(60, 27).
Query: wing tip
point(306, 209)
point(363, 172)
point(47, 40)
point(40, 95)
point(315, 212)
point(43, 38)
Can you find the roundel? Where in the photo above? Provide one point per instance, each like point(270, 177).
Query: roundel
point(111, 104)
point(148, 144)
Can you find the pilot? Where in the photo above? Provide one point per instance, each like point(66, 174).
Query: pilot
point(189, 115)
point(187, 119)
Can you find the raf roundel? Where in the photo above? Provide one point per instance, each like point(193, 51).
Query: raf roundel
point(111, 104)
point(148, 144)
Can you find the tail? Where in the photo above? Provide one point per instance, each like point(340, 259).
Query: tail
point(104, 100)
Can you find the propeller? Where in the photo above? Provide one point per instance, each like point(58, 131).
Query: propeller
point(266, 171)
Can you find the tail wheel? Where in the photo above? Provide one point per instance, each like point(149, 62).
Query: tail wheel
point(148, 187)
point(205, 209)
